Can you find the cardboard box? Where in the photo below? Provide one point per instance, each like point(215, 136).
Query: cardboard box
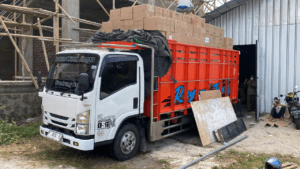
point(119, 25)
point(107, 27)
point(228, 42)
point(158, 11)
point(197, 31)
point(126, 13)
point(215, 31)
point(215, 41)
point(176, 16)
point(187, 19)
point(208, 29)
point(138, 24)
point(143, 11)
point(229, 47)
point(170, 25)
point(174, 36)
point(166, 13)
point(220, 40)
point(178, 26)
point(202, 40)
point(189, 30)
point(222, 31)
point(196, 20)
point(207, 39)
point(129, 24)
point(115, 15)
point(155, 23)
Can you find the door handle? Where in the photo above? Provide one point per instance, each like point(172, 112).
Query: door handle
point(135, 103)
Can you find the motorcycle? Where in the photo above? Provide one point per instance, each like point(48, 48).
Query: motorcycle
point(292, 101)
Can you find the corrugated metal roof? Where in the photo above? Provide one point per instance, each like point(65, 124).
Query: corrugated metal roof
point(223, 9)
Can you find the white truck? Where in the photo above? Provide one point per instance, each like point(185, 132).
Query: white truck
point(94, 95)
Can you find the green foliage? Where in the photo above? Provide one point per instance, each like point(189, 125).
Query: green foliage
point(10, 132)
point(2, 106)
point(242, 160)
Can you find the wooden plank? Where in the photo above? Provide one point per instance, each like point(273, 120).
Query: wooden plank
point(211, 94)
point(291, 167)
point(20, 54)
point(210, 115)
point(286, 164)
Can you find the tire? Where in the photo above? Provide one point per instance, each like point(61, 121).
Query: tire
point(126, 143)
point(297, 123)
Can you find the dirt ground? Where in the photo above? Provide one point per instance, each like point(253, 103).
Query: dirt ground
point(178, 150)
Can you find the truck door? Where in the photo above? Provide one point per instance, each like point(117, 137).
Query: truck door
point(118, 94)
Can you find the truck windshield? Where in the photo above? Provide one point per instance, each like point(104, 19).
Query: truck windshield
point(64, 73)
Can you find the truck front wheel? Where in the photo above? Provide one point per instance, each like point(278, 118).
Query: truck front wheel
point(126, 143)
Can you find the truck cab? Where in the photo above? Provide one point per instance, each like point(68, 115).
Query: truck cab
point(105, 110)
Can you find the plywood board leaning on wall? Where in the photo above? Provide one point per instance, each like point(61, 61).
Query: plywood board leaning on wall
point(211, 115)
point(211, 94)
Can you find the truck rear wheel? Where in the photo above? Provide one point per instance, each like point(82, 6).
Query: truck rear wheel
point(126, 143)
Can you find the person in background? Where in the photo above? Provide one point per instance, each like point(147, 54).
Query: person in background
point(184, 6)
point(278, 110)
point(251, 92)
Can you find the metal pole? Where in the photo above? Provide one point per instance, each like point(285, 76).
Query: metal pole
point(219, 149)
point(152, 87)
point(114, 4)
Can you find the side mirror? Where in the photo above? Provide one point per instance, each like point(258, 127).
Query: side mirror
point(83, 83)
point(39, 79)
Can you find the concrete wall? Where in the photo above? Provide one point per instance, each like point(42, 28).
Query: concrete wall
point(20, 99)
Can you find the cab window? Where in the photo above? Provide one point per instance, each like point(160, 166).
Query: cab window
point(116, 76)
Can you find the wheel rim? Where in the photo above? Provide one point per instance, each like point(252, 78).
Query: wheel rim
point(128, 142)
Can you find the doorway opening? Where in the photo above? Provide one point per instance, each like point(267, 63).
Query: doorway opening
point(248, 62)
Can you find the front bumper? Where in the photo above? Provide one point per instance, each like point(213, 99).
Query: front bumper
point(84, 145)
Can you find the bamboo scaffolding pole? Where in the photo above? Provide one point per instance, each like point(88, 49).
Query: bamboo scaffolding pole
point(103, 8)
point(12, 23)
point(5, 18)
point(23, 41)
point(172, 4)
point(62, 9)
point(56, 28)
point(199, 9)
point(43, 13)
point(20, 54)
point(43, 45)
point(32, 36)
point(135, 2)
point(162, 4)
point(15, 52)
point(87, 30)
point(45, 19)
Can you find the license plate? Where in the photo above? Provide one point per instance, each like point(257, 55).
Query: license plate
point(54, 136)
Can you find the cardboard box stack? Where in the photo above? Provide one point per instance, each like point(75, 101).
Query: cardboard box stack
point(183, 28)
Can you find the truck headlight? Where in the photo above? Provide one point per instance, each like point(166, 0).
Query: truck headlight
point(82, 129)
point(44, 116)
point(83, 118)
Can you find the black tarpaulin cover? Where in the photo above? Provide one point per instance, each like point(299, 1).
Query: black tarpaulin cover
point(155, 39)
